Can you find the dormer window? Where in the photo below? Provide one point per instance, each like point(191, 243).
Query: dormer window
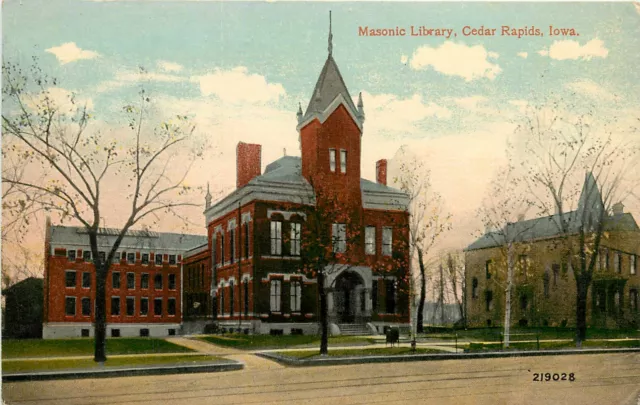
point(332, 160)
point(343, 161)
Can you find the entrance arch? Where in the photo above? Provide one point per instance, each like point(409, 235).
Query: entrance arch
point(349, 295)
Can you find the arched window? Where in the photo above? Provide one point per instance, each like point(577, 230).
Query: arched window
point(633, 300)
point(474, 288)
point(545, 283)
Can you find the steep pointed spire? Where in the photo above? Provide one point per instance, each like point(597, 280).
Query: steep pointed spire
point(299, 114)
point(207, 198)
point(360, 107)
point(330, 36)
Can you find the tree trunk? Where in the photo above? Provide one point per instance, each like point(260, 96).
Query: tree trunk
point(581, 310)
point(100, 355)
point(423, 295)
point(507, 296)
point(324, 321)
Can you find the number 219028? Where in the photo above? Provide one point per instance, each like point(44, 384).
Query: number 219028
point(543, 377)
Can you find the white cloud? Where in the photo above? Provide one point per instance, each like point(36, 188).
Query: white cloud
point(404, 59)
point(457, 59)
point(471, 102)
point(237, 85)
point(637, 6)
point(127, 77)
point(523, 55)
point(569, 49)
point(590, 89)
point(521, 105)
point(69, 52)
point(169, 66)
point(66, 101)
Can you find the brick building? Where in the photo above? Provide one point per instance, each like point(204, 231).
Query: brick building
point(255, 232)
point(144, 284)
point(544, 291)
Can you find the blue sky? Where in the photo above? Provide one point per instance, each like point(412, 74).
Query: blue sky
point(240, 70)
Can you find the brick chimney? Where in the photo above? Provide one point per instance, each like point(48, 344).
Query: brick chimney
point(248, 162)
point(381, 171)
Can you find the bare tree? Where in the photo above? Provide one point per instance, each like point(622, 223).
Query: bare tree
point(428, 221)
point(454, 273)
point(555, 147)
point(70, 164)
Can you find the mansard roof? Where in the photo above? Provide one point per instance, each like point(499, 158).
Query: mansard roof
point(283, 181)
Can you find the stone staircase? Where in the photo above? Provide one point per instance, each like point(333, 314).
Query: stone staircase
point(354, 329)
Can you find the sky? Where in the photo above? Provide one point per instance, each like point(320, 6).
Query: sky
point(239, 71)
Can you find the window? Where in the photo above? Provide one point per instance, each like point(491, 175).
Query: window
point(390, 287)
point(276, 237)
point(632, 264)
point(232, 245)
point(276, 289)
point(171, 306)
point(144, 306)
point(370, 240)
point(374, 295)
point(332, 160)
point(246, 239)
point(488, 268)
point(86, 306)
point(524, 302)
point(343, 161)
point(545, 283)
point(246, 298)
point(158, 281)
point(102, 256)
point(86, 255)
point(131, 281)
point(157, 306)
point(295, 239)
point(387, 240)
point(617, 263)
point(339, 234)
point(116, 258)
point(172, 260)
point(86, 279)
point(488, 297)
point(84, 332)
point(115, 306)
point(144, 280)
point(115, 280)
point(131, 258)
point(144, 332)
point(115, 332)
point(605, 259)
point(296, 296)
point(222, 250)
point(231, 302)
point(171, 332)
point(555, 268)
point(71, 255)
point(172, 281)
point(70, 278)
point(158, 259)
point(222, 301)
point(70, 306)
point(131, 306)
point(474, 288)
point(523, 261)
point(633, 300)
point(145, 258)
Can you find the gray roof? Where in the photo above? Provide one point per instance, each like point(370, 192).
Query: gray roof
point(329, 85)
point(551, 226)
point(139, 239)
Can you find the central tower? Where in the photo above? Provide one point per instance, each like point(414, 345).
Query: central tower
point(330, 137)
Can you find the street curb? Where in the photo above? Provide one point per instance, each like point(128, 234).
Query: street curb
point(290, 361)
point(123, 372)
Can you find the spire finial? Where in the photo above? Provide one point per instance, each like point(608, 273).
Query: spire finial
point(207, 198)
point(330, 36)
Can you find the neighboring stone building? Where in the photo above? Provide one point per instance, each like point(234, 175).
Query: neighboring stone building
point(544, 293)
point(255, 233)
point(144, 284)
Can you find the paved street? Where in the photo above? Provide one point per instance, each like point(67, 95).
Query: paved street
point(600, 379)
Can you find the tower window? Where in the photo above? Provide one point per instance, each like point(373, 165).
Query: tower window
point(332, 160)
point(343, 161)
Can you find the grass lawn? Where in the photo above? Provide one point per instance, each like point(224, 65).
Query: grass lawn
point(480, 347)
point(380, 351)
point(13, 366)
point(494, 334)
point(241, 341)
point(12, 348)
